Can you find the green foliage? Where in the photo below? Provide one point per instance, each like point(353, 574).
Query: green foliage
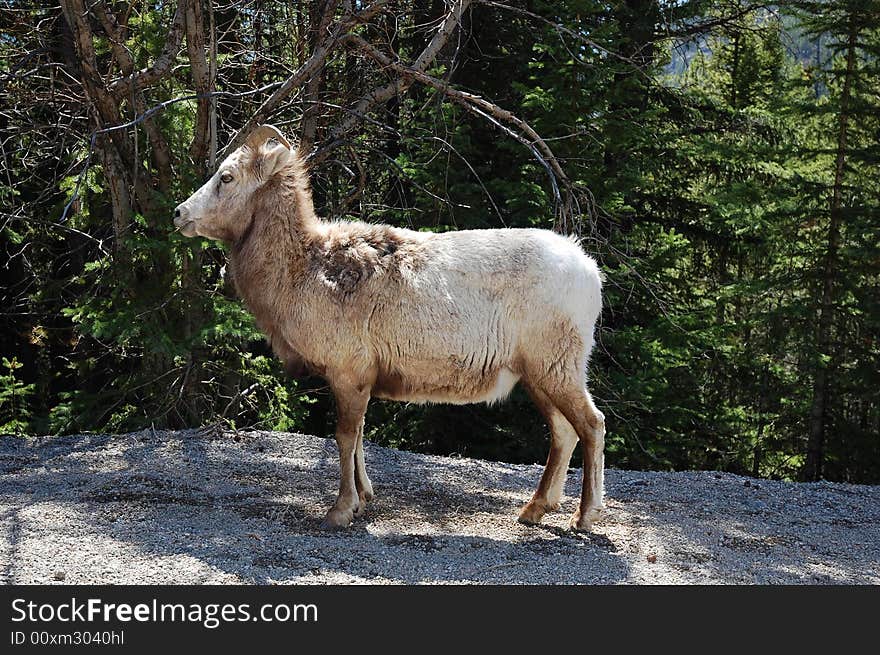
point(15, 412)
point(710, 154)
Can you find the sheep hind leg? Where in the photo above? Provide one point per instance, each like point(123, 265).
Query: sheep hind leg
point(361, 479)
point(351, 405)
point(589, 423)
point(563, 439)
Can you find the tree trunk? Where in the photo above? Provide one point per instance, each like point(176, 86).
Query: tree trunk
point(628, 97)
point(813, 467)
point(320, 15)
point(204, 85)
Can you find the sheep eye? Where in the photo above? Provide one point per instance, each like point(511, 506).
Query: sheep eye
point(226, 178)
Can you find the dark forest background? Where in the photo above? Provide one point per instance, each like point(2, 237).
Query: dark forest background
point(718, 157)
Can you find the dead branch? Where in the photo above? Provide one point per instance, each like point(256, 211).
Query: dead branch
point(304, 72)
point(309, 123)
point(162, 66)
point(145, 116)
point(566, 208)
point(396, 87)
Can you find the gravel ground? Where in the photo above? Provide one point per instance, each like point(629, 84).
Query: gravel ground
point(218, 507)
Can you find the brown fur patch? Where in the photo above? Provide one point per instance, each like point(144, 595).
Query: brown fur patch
point(356, 252)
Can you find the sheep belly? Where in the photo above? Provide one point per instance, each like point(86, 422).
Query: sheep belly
point(504, 384)
point(464, 390)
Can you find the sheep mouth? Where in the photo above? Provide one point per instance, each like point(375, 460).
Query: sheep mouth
point(186, 228)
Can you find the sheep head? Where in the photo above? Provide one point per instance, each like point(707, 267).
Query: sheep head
point(223, 207)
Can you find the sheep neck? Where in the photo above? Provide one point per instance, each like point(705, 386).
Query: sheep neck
point(272, 251)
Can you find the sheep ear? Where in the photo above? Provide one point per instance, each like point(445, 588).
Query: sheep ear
point(271, 149)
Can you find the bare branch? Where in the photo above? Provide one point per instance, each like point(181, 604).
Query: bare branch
point(145, 116)
point(527, 136)
point(114, 34)
point(303, 73)
point(162, 66)
point(398, 86)
point(309, 126)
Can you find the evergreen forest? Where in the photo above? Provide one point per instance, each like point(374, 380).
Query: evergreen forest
point(719, 158)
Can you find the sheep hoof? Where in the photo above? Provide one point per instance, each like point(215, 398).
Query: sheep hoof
point(531, 514)
point(337, 519)
point(584, 523)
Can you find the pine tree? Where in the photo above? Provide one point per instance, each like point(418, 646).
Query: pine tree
point(845, 118)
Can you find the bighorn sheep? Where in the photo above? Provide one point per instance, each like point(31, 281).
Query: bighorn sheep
point(457, 317)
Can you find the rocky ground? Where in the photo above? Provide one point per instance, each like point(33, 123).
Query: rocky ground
point(218, 507)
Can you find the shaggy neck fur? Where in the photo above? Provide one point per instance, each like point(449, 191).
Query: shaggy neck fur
point(272, 250)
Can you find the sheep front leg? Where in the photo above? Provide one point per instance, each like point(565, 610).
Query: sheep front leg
point(351, 405)
point(361, 479)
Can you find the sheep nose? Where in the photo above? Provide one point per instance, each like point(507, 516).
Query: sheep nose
point(179, 216)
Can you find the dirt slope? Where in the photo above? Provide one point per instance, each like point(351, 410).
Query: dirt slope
point(213, 507)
